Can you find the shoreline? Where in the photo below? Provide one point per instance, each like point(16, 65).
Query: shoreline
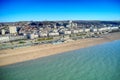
point(12, 56)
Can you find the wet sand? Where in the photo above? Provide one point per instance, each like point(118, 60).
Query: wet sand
point(11, 56)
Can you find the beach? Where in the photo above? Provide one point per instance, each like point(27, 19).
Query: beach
point(11, 56)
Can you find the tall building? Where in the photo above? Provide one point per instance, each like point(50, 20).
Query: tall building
point(3, 32)
point(55, 25)
point(12, 29)
point(70, 23)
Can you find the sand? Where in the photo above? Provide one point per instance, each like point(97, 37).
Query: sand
point(11, 56)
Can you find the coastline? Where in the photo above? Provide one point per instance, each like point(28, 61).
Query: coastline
point(11, 56)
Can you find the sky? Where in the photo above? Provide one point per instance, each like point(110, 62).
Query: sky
point(40, 10)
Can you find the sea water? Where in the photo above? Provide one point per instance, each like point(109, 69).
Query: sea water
point(101, 62)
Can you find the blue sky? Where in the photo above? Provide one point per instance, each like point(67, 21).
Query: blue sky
point(27, 10)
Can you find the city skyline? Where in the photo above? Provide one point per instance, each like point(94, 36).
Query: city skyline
point(38, 10)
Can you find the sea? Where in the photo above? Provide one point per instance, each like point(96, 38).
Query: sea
point(100, 62)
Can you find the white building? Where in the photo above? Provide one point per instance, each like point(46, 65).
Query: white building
point(68, 26)
point(3, 32)
point(42, 34)
point(53, 34)
point(33, 36)
point(95, 30)
point(66, 32)
point(12, 29)
point(4, 38)
point(12, 38)
point(104, 29)
point(61, 27)
point(109, 29)
point(81, 30)
point(114, 28)
point(55, 26)
point(87, 30)
point(75, 31)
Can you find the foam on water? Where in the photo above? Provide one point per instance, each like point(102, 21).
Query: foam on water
point(101, 62)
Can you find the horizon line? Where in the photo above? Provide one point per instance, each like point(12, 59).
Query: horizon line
point(56, 20)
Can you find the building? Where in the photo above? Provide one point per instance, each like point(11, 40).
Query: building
point(12, 29)
point(3, 32)
point(87, 30)
point(32, 36)
point(81, 30)
point(66, 32)
point(103, 29)
point(75, 31)
point(43, 34)
point(4, 38)
point(54, 26)
point(95, 30)
point(114, 28)
point(53, 34)
point(13, 38)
